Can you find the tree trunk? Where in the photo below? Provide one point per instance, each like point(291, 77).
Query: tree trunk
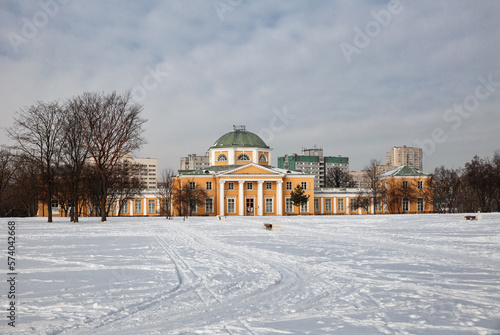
point(104, 196)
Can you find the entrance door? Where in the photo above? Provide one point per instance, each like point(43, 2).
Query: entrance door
point(249, 207)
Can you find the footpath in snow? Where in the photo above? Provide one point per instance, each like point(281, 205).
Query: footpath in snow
point(397, 274)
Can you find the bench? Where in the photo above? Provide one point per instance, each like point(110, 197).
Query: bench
point(221, 218)
point(471, 217)
point(268, 226)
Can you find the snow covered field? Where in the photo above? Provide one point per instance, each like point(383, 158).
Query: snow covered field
point(400, 274)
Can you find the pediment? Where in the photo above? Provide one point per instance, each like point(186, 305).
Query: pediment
point(251, 169)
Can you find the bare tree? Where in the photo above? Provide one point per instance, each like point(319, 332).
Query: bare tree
point(337, 177)
point(6, 177)
point(377, 189)
point(447, 190)
point(188, 196)
point(123, 185)
point(74, 155)
point(164, 192)
point(37, 133)
point(111, 127)
point(25, 190)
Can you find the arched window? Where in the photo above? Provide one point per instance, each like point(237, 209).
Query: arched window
point(221, 158)
point(243, 157)
point(262, 158)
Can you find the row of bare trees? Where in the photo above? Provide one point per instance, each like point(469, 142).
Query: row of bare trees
point(475, 187)
point(72, 150)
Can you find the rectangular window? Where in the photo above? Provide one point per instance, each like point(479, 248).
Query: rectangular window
point(304, 208)
point(378, 205)
point(209, 205)
point(209, 185)
point(250, 186)
point(406, 205)
point(354, 205)
point(137, 206)
point(111, 207)
point(328, 205)
point(124, 207)
point(231, 206)
point(405, 184)
point(288, 185)
point(55, 205)
point(269, 205)
point(420, 204)
point(269, 186)
point(164, 206)
point(420, 185)
point(366, 205)
point(193, 207)
point(288, 205)
point(304, 185)
point(192, 185)
point(340, 205)
point(230, 186)
point(316, 205)
point(151, 206)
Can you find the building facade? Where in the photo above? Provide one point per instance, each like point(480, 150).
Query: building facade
point(313, 161)
point(241, 182)
point(405, 156)
point(195, 162)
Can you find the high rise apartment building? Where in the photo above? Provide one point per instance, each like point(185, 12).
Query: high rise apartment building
point(195, 162)
point(144, 169)
point(405, 156)
point(312, 161)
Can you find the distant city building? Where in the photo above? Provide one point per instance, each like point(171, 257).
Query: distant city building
point(144, 169)
point(312, 161)
point(360, 179)
point(405, 156)
point(195, 162)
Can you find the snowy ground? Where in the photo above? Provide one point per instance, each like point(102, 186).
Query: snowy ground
point(400, 274)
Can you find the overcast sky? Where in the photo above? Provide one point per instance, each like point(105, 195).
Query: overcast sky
point(355, 77)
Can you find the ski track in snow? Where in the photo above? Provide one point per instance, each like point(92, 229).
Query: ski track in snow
point(399, 274)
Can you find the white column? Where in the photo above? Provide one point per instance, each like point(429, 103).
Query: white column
point(132, 207)
point(347, 205)
point(279, 197)
point(334, 205)
point(255, 156)
point(260, 198)
point(373, 205)
point(145, 206)
point(221, 198)
point(322, 204)
point(241, 201)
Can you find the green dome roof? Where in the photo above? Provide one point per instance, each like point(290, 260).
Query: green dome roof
point(240, 138)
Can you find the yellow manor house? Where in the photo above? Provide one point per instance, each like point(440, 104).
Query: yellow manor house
point(241, 182)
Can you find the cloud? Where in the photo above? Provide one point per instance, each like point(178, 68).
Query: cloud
point(264, 56)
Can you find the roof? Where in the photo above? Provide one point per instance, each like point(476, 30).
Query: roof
point(223, 168)
point(240, 137)
point(403, 171)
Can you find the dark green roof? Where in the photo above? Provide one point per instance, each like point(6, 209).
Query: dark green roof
point(240, 138)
